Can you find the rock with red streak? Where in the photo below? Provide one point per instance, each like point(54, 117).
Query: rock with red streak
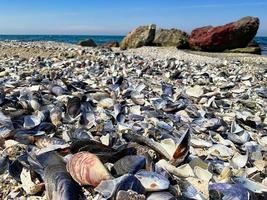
point(234, 35)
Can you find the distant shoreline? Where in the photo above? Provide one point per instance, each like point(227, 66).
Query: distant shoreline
point(99, 39)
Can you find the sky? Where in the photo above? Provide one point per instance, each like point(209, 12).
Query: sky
point(117, 17)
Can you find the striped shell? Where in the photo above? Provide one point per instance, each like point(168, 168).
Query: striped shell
point(86, 169)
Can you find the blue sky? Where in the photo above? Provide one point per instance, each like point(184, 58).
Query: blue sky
point(120, 16)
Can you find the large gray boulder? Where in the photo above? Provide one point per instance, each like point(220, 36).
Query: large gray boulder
point(171, 37)
point(141, 36)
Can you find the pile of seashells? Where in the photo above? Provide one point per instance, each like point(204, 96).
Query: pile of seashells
point(111, 126)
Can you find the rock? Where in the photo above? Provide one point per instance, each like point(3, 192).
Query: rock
point(88, 43)
point(230, 36)
point(141, 36)
point(110, 44)
point(251, 50)
point(172, 37)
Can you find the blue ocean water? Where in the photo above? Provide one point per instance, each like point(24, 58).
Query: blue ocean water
point(74, 39)
point(262, 41)
point(99, 39)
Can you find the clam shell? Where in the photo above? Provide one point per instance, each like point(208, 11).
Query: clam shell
point(129, 164)
point(152, 181)
point(86, 169)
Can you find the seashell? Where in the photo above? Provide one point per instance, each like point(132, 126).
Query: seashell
point(182, 149)
point(106, 103)
point(182, 171)
point(250, 185)
point(74, 107)
point(192, 191)
point(86, 169)
point(4, 162)
point(137, 98)
point(167, 90)
point(160, 196)
point(225, 175)
point(57, 90)
point(152, 181)
point(6, 126)
point(230, 191)
point(31, 121)
point(46, 141)
point(198, 162)
point(129, 164)
point(110, 188)
point(28, 184)
point(195, 91)
point(238, 161)
point(150, 143)
point(59, 184)
point(262, 92)
point(196, 142)
point(15, 169)
point(202, 174)
point(56, 116)
point(221, 151)
point(130, 195)
point(200, 185)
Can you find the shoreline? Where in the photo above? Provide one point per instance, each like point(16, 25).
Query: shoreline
point(50, 48)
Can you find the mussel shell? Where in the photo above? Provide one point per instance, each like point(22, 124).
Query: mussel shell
point(86, 169)
point(15, 169)
point(129, 164)
point(110, 188)
point(59, 184)
point(152, 181)
point(74, 107)
point(4, 161)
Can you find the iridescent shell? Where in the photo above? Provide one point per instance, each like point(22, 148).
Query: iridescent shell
point(86, 169)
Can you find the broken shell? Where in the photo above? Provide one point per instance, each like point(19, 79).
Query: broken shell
point(202, 173)
point(160, 196)
point(106, 103)
point(239, 161)
point(109, 188)
point(129, 164)
point(87, 169)
point(195, 91)
point(251, 185)
point(152, 181)
point(28, 185)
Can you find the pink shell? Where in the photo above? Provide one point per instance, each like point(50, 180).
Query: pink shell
point(86, 169)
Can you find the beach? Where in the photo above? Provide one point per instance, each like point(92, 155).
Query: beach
point(161, 93)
